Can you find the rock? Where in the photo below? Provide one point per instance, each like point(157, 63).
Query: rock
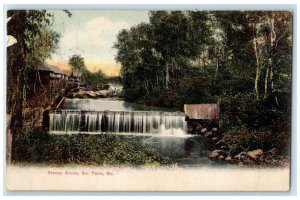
point(228, 158)
point(214, 154)
point(255, 154)
point(203, 130)
point(240, 155)
point(223, 153)
point(221, 157)
point(214, 130)
point(104, 93)
point(214, 138)
point(91, 93)
point(79, 94)
point(208, 134)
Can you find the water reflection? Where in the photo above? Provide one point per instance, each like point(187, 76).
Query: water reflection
point(186, 152)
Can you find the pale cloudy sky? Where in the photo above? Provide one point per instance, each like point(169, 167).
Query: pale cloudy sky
point(92, 33)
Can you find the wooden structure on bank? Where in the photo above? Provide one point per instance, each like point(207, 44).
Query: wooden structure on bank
point(207, 111)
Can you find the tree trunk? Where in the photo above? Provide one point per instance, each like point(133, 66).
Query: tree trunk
point(272, 41)
point(167, 75)
point(258, 69)
point(266, 82)
point(16, 69)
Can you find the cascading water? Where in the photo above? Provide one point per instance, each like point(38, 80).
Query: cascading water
point(136, 122)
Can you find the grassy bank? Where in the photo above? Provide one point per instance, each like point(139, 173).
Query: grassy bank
point(42, 148)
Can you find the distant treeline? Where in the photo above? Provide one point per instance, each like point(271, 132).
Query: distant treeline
point(98, 78)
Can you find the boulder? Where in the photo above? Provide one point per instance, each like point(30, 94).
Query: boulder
point(104, 93)
point(214, 154)
point(221, 157)
point(214, 130)
point(228, 158)
point(240, 155)
point(203, 130)
point(80, 94)
point(91, 93)
point(255, 154)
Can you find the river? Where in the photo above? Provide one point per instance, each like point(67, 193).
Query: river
point(159, 128)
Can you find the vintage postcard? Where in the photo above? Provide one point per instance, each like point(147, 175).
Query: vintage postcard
point(148, 100)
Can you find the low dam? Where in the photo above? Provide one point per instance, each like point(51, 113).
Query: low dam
point(143, 122)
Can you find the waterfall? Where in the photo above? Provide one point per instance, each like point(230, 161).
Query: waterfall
point(136, 122)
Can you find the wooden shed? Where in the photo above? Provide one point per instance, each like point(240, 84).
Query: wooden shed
point(208, 111)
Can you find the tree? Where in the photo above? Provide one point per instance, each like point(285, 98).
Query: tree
point(256, 39)
point(76, 63)
point(35, 41)
point(160, 50)
point(180, 36)
point(138, 56)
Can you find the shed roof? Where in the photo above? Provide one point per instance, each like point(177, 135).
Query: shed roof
point(51, 68)
point(45, 67)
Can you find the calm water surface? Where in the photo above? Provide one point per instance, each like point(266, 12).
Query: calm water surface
point(108, 104)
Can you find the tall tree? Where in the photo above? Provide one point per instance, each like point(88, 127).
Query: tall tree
point(160, 50)
point(252, 37)
point(30, 28)
point(180, 35)
point(76, 63)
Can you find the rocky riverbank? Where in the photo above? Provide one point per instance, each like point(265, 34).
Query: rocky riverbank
point(222, 151)
point(94, 91)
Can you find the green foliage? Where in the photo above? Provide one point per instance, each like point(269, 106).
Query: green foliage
point(251, 124)
point(41, 46)
point(243, 110)
point(154, 55)
point(40, 147)
point(210, 57)
point(96, 78)
point(76, 63)
point(99, 78)
point(243, 140)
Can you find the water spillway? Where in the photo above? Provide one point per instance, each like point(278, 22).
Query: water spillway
point(139, 122)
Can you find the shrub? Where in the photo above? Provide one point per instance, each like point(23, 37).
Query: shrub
point(266, 139)
point(40, 147)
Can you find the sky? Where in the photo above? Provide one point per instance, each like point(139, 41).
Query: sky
point(92, 33)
